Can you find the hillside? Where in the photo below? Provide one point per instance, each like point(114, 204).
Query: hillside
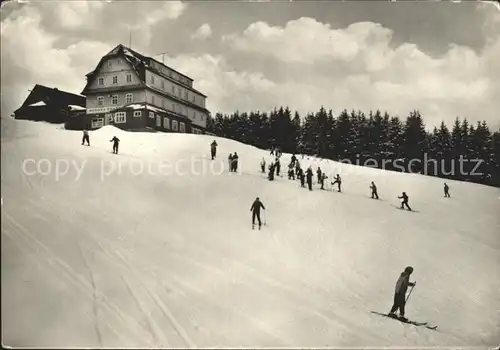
point(111, 256)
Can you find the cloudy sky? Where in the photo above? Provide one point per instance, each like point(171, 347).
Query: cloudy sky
point(439, 57)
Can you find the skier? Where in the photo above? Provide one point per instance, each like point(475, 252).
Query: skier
point(374, 190)
point(270, 176)
point(322, 180)
point(293, 159)
point(235, 162)
point(213, 149)
point(404, 197)
point(263, 165)
point(318, 173)
point(297, 166)
point(277, 166)
point(230, 162)
point(400, 293)
point(85, 137)
point(301, 177)
point(446, 190)
point(337, 181)
point(291, 175)
point(255, 209)
point(272, 151)
point(115, 141)
point(309, 175)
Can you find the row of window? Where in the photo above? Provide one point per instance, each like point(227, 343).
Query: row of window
point(129, 98)
point(175, 90)
point(128, 78)
point(121, 117)
point(162, 69)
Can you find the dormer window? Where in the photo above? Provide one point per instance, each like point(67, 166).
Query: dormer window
point(100, 81)
point(115, 79)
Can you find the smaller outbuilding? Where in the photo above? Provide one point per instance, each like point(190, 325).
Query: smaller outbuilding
point(50, 105)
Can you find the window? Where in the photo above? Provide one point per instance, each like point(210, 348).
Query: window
point(114, 100)
point(173, 107)
point(115, 80)
point(186, 94)
point(179, 92)
point(174, 125)
point(152, 79)
point(151, 115)
point(186, 110)
point(194, 98)
point(129, 78)
point(97, 123)
point(166, 123)
point(163, 85)
point(182, 127)
point(129, 98)
point(137, 113)
point(119, 61)
point(194, 115)
point(120, 117)
point(101, 81)
point(162, 103)
point(173, 89)
point(153, 99)
point(170, 73)
point(110, 64)
point(100, 101)
point(158, 121)
point(109, 118)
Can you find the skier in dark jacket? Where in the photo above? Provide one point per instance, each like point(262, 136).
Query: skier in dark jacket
point(293, 159)
point(446, 190)
point(277, 165)
point(115, 141)
point(374, 190)
point(255, 209)
point(263, 165)
point(213, 149)
point(318, 173)
point(235, 162)
point(270, 176)
point(309, 176)
point(400, 293)
point(404, 197)
point(337, 181)
point(230, 161)
point(86, 137)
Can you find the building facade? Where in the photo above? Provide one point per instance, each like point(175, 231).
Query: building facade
point(135, 92)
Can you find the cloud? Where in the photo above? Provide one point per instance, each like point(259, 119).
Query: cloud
point(76, 14)
point(303, 64)
point(362, 70)
point(29, 57)
point(203, 32)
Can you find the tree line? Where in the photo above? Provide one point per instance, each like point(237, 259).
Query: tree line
point(466, 152)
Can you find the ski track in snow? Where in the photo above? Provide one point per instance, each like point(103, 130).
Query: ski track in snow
point(141, 273)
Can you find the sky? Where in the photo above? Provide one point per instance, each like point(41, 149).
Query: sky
point(438, 57)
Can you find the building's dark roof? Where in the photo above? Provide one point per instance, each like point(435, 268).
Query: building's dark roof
point(52, 97)
point(137, 61)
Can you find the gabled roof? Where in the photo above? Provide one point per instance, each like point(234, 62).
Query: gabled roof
point(42, 95)
point(138, 62)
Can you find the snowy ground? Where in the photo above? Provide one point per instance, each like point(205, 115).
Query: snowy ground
point(122, 258)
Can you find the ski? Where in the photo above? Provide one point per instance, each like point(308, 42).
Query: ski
point(415, 323)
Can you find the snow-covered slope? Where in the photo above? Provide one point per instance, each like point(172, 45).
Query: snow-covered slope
point(109, 255)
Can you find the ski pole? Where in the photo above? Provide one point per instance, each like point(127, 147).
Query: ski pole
point(411, 290)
